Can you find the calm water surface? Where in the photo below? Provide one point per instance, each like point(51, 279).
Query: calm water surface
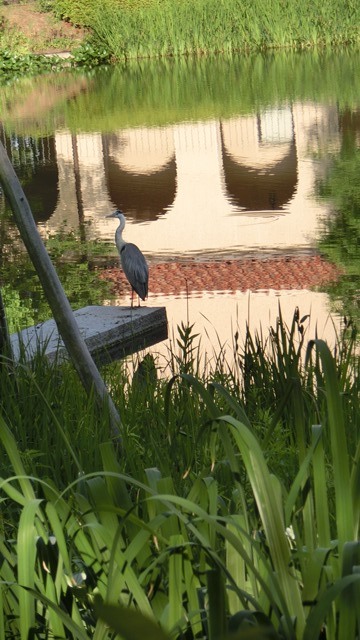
point(212, 160)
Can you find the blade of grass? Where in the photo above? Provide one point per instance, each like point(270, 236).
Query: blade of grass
point(11, 448)
point(130, 624)
point(176, 586)
point(355, 490)
point(26, 551)
point(271, 516)
point(319, 612)
point(340, 458)
point(267, 579)
point(345, 519)
point(320, 490)
point(216, 605)
point(301, 478)
point(77, 631)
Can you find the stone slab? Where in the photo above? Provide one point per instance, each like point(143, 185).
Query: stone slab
point(110, 333)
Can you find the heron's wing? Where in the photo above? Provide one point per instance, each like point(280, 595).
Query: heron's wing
point(135, 268)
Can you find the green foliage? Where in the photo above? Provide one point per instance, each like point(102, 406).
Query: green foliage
point(138, 29)
point(10, 38)
point(75, 260)
point(110, 550)
point(17, 58)
point(78, 12)
point(207, 26)
point(15, 65)
point(131, 624)
point(90, 54)
point(17, 314)
point(340, 236)
point(46, 5)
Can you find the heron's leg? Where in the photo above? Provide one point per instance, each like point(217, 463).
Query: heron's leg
point(132, 297)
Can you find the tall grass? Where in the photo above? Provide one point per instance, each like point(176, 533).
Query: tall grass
point(196, 529)
point(171, 28)
point(267, 384)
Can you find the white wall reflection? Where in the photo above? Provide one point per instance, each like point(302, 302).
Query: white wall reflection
point(142, 150)
point(262, 141)
point(222, 187)
point(217, 317)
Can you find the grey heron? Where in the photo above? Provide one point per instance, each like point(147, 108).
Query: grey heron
point(132, 260)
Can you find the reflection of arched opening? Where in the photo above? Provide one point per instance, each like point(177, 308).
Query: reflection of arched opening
point(259, 161)
point(35, 163)
point(142, 195)
point(256, 190)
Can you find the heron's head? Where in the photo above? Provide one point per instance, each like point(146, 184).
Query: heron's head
point(116, 214)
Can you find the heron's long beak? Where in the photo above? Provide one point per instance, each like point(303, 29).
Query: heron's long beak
point(111, 215)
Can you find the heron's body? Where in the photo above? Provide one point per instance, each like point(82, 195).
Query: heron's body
point(132, 260)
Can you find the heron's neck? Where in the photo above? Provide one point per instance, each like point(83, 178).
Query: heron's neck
point(119, 241)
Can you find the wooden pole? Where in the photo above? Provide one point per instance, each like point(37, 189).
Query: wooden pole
point(4, 334)
point(59, 304)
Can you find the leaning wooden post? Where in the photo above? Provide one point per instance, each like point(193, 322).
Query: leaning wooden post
point(59, 304)
point(4, 334)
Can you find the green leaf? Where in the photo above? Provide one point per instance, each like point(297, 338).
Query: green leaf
point(11, 448)
point(131, 624)
point(317, 615)
point(271, 517)
point(176, 582)
point(232, 403)
point(77, 631)
point(321, 491)
point(26, 550)
point(216, 605)
point(300, 479)
point(340, 459)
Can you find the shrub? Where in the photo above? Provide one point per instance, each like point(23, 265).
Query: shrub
point(78, 12)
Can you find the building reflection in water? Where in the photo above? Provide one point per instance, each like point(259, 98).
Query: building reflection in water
point(205, 188)
point(201, 189)
point(194, 190)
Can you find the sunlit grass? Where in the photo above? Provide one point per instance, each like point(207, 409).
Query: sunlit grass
point(172, 28)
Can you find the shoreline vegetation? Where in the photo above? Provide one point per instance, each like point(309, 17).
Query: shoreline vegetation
point(239, 479)
point(116, 32)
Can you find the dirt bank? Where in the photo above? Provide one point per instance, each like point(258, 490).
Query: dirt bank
point(39, 32)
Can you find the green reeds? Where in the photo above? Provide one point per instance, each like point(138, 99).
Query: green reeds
point(281, 550)
point(171, 28)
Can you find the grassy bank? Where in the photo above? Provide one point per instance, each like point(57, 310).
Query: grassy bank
point(125, 30)
point(241, 481)
point(171, 28)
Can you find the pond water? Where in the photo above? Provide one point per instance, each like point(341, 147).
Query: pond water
point(219, 165)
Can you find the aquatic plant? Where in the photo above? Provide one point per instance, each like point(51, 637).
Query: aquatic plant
point(84, 550)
